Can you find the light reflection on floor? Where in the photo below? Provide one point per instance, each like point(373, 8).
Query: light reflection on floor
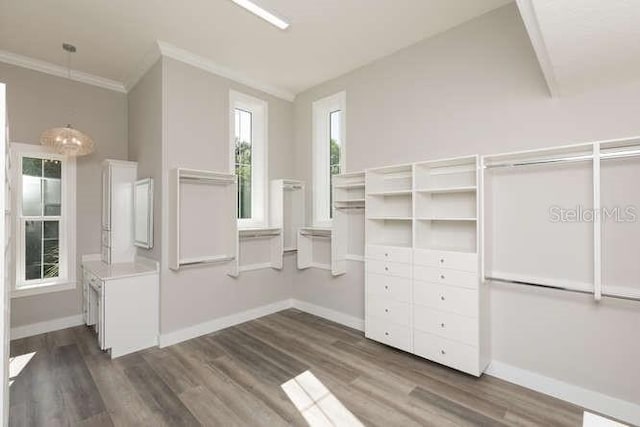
point(593, 420)
point(17, 364)
point(316, 403)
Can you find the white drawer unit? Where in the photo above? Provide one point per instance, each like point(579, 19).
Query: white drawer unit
point(121, 300)
point(389, 268)
point(450, 353)
point(446, 259)
point(423, 252)
point(389, 253)
point(389, 310)
point(451, 299)
point(388, 333)
point(395, 288)
point(447, 325)
point(445, 276)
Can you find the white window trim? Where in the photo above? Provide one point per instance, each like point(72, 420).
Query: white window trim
point(67, 279)
point(321, 154)
point(259, 155)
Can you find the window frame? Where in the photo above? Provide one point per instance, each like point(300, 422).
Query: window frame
point(321, 123)
point(67, 223)
point(259, 110)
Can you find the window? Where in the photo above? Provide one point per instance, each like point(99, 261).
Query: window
point(249, 157)
point(45, 220)
point(329, 130)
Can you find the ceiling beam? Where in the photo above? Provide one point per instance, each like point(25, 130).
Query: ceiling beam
point(531, 23)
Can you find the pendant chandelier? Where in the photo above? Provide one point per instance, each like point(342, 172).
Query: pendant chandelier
point(67, 140)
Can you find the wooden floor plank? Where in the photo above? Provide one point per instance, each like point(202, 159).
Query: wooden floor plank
point(233, 378)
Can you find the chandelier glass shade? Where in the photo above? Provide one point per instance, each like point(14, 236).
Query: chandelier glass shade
point(67, 141)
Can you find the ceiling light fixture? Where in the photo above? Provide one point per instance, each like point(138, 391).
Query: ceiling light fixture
point(267, 16)
point(67, 140)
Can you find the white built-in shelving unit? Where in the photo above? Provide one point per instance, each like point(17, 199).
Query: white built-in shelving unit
point(423, 288)
point(287, 210)
point(347, 241)
point(254, 243)
point(202, 220)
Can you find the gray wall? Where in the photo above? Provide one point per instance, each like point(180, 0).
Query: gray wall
point(478, 89)
point(145, 143)
point(197, 136)
point(36, 102)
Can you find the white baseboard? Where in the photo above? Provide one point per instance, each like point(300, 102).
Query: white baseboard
point(610, 406)
point(329, 314)
point(44, 327)
point(222, 323)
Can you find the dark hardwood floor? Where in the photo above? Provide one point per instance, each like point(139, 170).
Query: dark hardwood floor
point(233, 378)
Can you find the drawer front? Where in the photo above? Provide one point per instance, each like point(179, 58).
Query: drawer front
point(455, 355)
point(446, 277)
point(388, 333)
point(446, 298)
point(446, 325)
point(389, 310)
point(389, 268)
point(396, 288)
point(453, 260)
point(389, 253)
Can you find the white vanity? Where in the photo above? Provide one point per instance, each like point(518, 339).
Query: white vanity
point(121, 302)
point(121, 290)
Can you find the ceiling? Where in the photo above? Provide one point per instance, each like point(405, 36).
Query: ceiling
point(326, 38)
point(584, 44)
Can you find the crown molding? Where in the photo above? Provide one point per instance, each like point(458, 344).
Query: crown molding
point(58, 71)
point(160, 49)
point(205, 64)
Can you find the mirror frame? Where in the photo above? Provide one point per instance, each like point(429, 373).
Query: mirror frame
point(148, 183)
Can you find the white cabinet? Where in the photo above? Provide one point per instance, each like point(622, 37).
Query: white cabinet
point(423, 288)
point(122, 302)
point(118, 180)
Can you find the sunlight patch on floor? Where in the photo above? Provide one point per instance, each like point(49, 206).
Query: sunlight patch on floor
point(593, 420)
point(317, 404)
point(17, 364)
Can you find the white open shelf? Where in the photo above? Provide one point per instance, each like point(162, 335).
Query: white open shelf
point(428, 205)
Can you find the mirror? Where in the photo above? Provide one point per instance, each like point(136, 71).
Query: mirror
point(143, 213)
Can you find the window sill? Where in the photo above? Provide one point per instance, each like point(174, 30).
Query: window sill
point(42, 289)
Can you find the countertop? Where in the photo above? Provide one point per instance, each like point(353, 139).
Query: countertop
point(121, 270)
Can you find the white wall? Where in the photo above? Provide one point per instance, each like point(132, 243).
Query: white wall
point(478, 89)
point(37, 102)
point(196, 127)
point(145, 143)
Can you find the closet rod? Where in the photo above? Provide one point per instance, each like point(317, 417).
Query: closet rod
point(560, 288)
point(292, 187)
point(620, 154)
point(349, 207)
point(311, 234)
point(208, 180)
point(556, 160)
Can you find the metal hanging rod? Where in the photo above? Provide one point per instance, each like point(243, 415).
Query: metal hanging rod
point(555, 160)
point(208, 180)
point(316, 233)
point(212, 260)
point(259, 235)
point(572, 159)
point(346, 208)
point(560, 288)
point(620, 154)
point(292, 187)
